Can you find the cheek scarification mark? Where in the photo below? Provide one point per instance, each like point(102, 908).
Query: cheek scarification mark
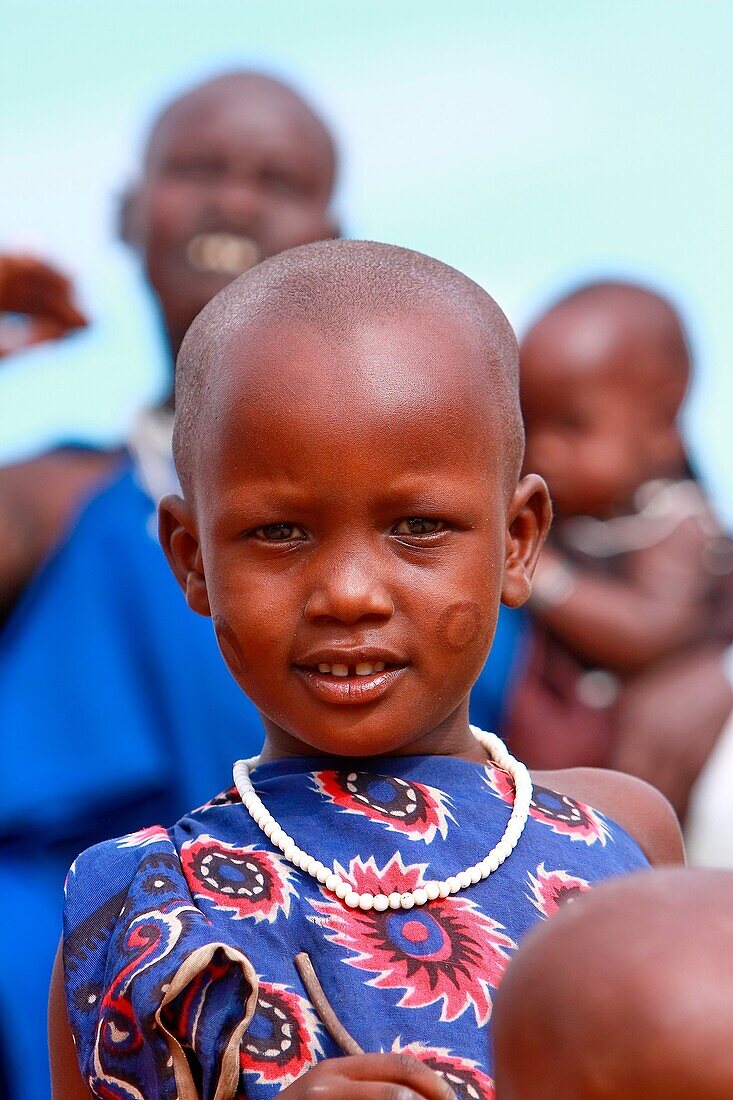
point(460, 624)
point(229, 646)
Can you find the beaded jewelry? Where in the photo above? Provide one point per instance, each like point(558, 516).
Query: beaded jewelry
point(432, 890)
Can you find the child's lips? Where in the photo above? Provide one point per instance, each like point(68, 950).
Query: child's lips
point(351, 690)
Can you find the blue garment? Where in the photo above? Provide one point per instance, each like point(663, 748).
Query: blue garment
point(115, 708)
point(492, 693)
point(180, 945)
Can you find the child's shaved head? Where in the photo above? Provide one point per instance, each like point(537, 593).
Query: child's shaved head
point(348, 439)
point(339, 288)
point(627, 994)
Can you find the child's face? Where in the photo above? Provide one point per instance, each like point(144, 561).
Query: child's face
point(234, 176)
point(351, 520)
point(597, 435)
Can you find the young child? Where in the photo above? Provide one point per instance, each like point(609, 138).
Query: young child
point(633, 610)
point(348, 439)
point(625, 995)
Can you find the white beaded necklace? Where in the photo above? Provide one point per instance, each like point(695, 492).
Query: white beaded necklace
point(499, 756)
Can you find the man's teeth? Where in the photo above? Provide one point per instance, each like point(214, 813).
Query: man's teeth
point(222, 253)
point(362, 669)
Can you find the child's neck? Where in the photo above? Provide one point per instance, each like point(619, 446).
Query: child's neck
point(452, 738)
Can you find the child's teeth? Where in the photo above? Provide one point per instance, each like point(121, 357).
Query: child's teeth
point(362, 669)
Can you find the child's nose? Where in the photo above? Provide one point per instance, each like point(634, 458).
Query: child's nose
point(349, 594)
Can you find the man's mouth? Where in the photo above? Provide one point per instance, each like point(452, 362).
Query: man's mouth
point(222, 253)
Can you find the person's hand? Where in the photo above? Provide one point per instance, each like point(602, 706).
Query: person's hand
point(370, 1077)
point(43, 295)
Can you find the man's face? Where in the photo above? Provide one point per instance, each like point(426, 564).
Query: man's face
point(352, 514)
point(233, 176)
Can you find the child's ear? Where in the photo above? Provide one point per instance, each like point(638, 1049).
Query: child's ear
point(529, 518)
point(179, 539)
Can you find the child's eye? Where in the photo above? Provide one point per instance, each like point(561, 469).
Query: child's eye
point(418, 525)
point(279, 532)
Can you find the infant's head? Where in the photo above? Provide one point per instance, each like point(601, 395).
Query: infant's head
point(627, 994)
point(603, 375)
point(349, 439)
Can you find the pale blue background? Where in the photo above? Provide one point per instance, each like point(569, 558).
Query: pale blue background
point(528, 142)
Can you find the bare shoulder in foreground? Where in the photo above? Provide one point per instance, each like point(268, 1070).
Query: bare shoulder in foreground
point(636, 806)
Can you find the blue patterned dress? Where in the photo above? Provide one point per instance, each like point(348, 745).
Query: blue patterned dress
point(180, 944)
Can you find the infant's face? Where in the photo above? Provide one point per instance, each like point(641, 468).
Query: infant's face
point(352, 515)
point(596, 438)
point(600, 400)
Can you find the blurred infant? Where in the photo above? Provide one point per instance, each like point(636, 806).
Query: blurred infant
point(633, 601)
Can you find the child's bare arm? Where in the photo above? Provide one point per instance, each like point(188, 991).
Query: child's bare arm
point(369, 1077)
point(66, 1079)
point(635, 805)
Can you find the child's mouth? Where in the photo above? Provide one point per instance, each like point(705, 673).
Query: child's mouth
point(353, 684)
point(363, 668)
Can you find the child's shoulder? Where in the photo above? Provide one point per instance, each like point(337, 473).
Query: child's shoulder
point(113, 861)
point(112, 870)
point(100, 879)
point(636, 806)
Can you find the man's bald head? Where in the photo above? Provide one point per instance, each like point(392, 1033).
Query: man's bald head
point(248, 89)
point(624, 995)
point(338, 288)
